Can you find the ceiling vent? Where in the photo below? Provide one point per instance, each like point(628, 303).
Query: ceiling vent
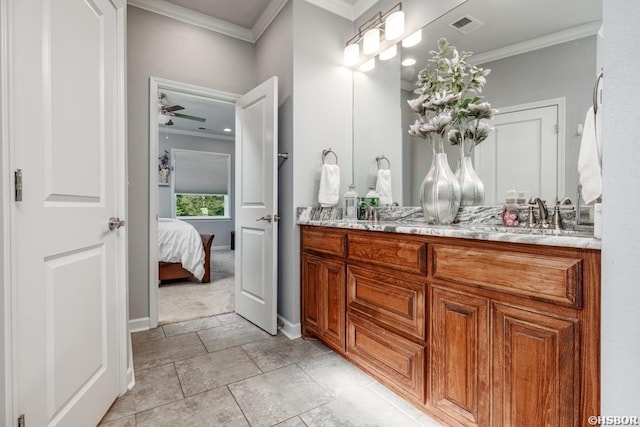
point(467, 24)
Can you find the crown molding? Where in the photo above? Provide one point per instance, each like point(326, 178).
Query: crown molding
point(339, 7)
point(361, 7)
point(563, 36)
point(195, 18)
point(266, 18)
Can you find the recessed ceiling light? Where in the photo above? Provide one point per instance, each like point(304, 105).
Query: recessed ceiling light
point(408, 62)
point(227, 129)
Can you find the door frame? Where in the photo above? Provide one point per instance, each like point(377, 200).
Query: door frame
point(156, 84)
point(561, 103)
point(8, 322)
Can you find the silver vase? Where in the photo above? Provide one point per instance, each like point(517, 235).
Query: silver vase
point(471, 187)
point(440, 192)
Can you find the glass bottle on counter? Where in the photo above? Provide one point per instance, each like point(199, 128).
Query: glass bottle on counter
point(511, 213)
point(351, 204)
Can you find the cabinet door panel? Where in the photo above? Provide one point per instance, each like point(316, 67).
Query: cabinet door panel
point(396, 359)
point(332, 305)
point(311, 284)
point(460, 356)
point(535, 374)
point(389, 299)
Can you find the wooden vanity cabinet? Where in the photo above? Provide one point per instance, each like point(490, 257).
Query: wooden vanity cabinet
point(323, 288)
point(474, 333)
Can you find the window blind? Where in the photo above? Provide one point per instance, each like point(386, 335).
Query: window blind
point(200, 172)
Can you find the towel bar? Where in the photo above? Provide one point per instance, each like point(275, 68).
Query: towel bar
point(381, 158)
point(325, 153)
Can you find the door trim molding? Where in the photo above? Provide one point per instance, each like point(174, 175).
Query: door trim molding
point(561, 103)
point(7, 393)
point(156, 84)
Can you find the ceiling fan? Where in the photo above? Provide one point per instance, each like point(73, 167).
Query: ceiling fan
point(165, 112)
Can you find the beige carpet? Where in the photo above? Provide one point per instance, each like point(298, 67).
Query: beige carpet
point(186, 300)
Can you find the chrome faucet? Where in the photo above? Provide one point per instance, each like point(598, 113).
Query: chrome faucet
point(371, 213)
point(556, 219)
point(543, 222)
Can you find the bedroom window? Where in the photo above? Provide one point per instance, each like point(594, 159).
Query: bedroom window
point(201, 184)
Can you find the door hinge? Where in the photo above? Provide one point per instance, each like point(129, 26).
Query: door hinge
point(17, 174)
point(21, 421)
point(557, 128)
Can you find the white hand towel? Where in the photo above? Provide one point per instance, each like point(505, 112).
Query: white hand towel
point(329, 193)
point(383, 186)
point(589, 159)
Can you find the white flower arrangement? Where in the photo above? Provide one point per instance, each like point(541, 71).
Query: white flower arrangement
point(449, 101)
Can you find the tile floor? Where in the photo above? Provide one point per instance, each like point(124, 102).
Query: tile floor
point(224, 371)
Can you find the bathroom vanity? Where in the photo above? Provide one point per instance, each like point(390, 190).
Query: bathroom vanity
point(476, 328)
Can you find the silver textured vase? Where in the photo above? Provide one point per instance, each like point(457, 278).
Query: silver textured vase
point(471, 187)
point(440, 192)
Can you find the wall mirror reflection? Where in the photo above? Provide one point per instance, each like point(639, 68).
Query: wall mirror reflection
point(543, 58)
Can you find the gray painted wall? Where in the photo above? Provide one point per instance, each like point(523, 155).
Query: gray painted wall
point(274, 57)
point(322, 113)
point(163, 47)
point(620, 334)
point(220, 228)
point(564, 70)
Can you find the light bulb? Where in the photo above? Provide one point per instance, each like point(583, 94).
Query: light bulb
point(389, 53)
point(394, 25)
point(371, 41)
point(413, 39)
point(351, 54)
point(368, 66)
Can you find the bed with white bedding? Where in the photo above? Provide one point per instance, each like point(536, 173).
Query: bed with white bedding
point(183, 252)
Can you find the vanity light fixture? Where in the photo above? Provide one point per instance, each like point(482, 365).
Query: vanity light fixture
point(394, 25)
point(371, 41)
point(385, 55)
point(413, 39)
point(351, 54)
point(390, 23)
point(368, 66)
point(409, 62)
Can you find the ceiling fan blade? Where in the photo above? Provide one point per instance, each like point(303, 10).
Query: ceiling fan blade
point(185, 116)
point(171, 108)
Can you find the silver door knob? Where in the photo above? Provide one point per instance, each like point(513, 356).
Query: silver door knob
point(269, 218)
point(115, 223)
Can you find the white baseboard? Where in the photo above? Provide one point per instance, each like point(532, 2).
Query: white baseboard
point(220, 248)
point(290, 330)
point(131, 377)
point(137, 325)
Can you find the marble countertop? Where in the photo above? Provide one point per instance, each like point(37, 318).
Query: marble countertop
point(409, 222)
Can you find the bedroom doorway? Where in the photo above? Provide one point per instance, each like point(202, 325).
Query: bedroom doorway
point(191, 203)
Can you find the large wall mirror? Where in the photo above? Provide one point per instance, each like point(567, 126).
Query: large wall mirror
point(543, 57)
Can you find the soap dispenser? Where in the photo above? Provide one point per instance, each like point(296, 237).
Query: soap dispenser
point(351, 204)
point(511, 213)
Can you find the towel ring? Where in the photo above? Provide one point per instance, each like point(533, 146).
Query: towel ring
point(381, 158)
point(595, 91)
point(325, 153)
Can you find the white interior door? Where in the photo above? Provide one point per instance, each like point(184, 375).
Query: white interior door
point(256, 227)
point(522, 154)
point(66, 121)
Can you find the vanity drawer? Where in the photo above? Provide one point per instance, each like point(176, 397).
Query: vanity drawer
point(396, 302)
point(401, 253)
point(324, 240)
point(552, 278)
point(387, 355)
